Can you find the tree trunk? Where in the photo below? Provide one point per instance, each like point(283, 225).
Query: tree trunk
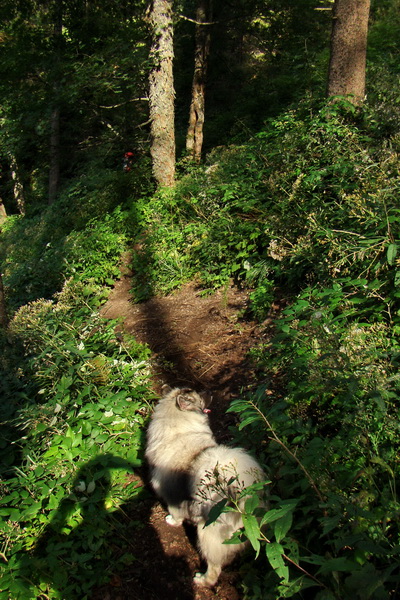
point(3, 213)
point(194, 139)
point(18, 187)
point(161, 93)
point(54, 169)
point(54, 166)
point(349, 49)
point(3, 310)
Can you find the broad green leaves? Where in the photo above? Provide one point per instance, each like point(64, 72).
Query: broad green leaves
point(275, 553)
point(391, 254)
point(252, 530)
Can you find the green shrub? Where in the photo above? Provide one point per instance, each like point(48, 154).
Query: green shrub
point(327, 428)
point(310, 198)
point(40, 253)
point(75, 403)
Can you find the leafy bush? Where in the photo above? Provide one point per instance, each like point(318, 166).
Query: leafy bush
point(308, 205)
point(310, 198)
point(328, 429)
point(40, 253)
point(75, 402)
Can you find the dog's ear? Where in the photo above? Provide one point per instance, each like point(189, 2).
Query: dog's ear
point(166, 389)
point(184, 402)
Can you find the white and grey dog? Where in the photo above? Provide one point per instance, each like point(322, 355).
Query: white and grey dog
point(191, 473)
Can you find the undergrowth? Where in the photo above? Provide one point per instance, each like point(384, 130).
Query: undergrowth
point(309, 207)
point(327, 427)
point(77, 400)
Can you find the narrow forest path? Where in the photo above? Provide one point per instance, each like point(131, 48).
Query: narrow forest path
point(200, 342)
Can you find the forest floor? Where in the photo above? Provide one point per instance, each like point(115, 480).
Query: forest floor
point(200, 342)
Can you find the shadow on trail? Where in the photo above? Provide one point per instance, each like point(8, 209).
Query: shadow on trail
point(173, 364)
point(91, 551)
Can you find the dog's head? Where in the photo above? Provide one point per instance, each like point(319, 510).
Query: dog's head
point(187, 399)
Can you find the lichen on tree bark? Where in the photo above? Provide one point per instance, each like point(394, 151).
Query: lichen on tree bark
point(349, 49)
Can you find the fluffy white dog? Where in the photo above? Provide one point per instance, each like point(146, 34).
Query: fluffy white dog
point(191, 473)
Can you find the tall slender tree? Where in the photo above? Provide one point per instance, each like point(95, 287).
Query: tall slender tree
point(349, 49)
point(194, 138)
point(161, 92)
point(3, 309)
point(54, 167)
point(18, 187)
point(3, 213)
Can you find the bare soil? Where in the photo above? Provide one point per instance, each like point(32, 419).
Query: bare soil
point(200, 342)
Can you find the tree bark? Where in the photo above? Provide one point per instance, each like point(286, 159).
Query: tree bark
point(18, 187)
point(349, 49)
point(194, 138)
point(3, 213)
point(54, 159)
point(161, 93)
point(54, 169)
point(3, 310)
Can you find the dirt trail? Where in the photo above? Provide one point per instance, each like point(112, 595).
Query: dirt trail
point(201, 342)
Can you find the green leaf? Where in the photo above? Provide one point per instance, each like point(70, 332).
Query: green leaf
point(237, 538)
point(338, 564)
point(282, 526)
point(86, 427)
point(391, 253)
point(290, 588)
point(31, 511)
point(252, 530)
point(215, 511)
point(277, 513)
point(254, 487)
point(379, 461)
point(329, 523)
point(64, 383)
point(248, 420)
point(51, 452)
point(54, 500)
point(274, 552)
point(251, 504)
point(238, 406)
point(292, 550)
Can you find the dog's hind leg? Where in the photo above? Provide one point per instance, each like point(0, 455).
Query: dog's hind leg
point(211, 544)
point(210, 540)
point(210, 577)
